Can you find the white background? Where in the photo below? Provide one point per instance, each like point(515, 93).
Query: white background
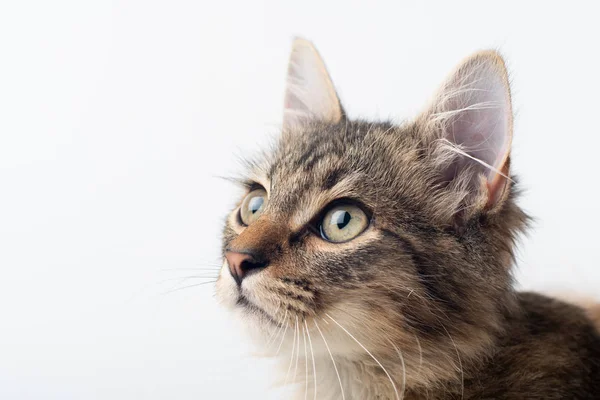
point(116, 119)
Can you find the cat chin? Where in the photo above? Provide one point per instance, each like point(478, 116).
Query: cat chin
point(253, 317)
point(262, 326)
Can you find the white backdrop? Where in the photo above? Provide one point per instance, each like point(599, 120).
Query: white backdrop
point(116, 119)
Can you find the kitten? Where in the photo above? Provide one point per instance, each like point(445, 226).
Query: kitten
point(375, 259)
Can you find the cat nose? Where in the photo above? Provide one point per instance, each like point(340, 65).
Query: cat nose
point(241, 263)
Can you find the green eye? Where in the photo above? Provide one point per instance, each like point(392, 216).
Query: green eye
point(343, 222)
point(253, 206)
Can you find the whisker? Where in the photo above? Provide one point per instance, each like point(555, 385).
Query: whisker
point(297, 349)
point(403, 369)
point(292, 356)
point(187, 287)
point(180, 281)
point(275, 335)
point(185, 278)
point(369, 353)
point(210, 268)
point(282, 337)
point(462, 373)
point(313, 359)
point(420, 353)
point(278, 329)
point(332, 360)
point(305, 365)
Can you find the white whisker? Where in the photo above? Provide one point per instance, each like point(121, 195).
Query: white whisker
point(274, 337)
point(332, 360)
point(313, 359)
point(305, 365)
point(188, 286)
point(369, 353)
point(403, 369)
point(292, 355)
point(183, 279)
point(297, 349)
point(420, 353)
point(282, 337)
point(276, 328)
point(462, 373)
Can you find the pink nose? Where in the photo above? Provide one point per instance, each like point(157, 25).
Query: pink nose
point(240, 264)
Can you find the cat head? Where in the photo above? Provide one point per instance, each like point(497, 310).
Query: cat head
point(372, 237)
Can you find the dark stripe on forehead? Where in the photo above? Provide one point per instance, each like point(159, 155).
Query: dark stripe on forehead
point(310, 160)
point(333, 177)
point(304, 157)
point(274, 165)
point(308, 153)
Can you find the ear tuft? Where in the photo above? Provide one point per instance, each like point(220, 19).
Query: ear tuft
point(310, 94)
point(471, 121)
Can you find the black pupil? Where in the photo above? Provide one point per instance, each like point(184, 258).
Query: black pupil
point(255, 204)
point(341, 218)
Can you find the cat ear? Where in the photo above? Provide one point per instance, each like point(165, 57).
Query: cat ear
point(471, 117)
point(310, 94)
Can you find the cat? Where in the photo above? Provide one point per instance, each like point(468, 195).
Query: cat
point(375, 260)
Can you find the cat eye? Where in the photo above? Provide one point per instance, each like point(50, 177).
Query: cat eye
point(343, 222)
point(253, 205)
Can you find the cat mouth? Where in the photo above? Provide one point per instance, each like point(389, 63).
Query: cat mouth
point(243, 302)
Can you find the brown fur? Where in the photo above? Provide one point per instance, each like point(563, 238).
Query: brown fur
point(594, 315)
point(426, 289)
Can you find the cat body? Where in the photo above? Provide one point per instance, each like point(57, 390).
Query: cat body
point(375, 260)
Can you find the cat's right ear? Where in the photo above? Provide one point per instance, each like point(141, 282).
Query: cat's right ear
point(310, 94)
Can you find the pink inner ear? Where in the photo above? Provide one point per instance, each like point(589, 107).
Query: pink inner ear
point(480, 122)
point(293, 103)
point(310, 93)
point(497, 185)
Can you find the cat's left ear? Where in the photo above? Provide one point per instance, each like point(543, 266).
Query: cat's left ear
point(310, 94)
point(471, 122)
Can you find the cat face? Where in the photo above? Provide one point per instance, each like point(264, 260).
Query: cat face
point(370, 235)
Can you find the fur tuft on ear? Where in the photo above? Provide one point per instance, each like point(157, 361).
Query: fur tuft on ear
point(310, 94)
point(470, 125)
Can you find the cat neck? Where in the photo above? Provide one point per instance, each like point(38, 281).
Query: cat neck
point(422, 369)
point(366, 379)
